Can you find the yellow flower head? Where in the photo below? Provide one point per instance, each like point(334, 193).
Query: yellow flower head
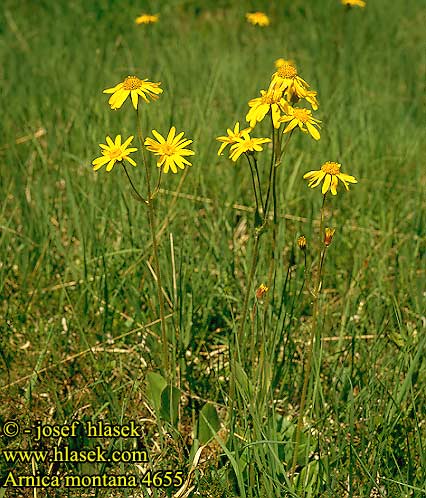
point(232, 137)
point(259, 18)
point(134, 87)
point(270, 100)
point(171, 150)
point(280, 62)
point(352, 3)
point(330, 173)
point(247, 144)
point(261, 291)
point(288, 81)
point(328, 236)
point(147, 19)
point(301, 242)
point(301, 118)
point(114, 152)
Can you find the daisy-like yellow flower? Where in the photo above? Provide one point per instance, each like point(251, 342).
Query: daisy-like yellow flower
point(301, 118)
point(259, 18)
point(147, 19)
point(135, 87)
point(353, 3)
point(288, 81)
point(330, 173)
point(171, 150)
point(232, 137)
point(280, 62)
point(260, 106)
point(114, 152)
point(247, 144)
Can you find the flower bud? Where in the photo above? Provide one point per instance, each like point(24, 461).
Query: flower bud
point(301, 242)
point(328, 237)
point(261, 291)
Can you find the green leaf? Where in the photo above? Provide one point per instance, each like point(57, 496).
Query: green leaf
point(208, 423)
point(170, 404)
point(243, 383)
point(155, 383)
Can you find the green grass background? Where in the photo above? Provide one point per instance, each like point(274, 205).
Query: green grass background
point(74, 244)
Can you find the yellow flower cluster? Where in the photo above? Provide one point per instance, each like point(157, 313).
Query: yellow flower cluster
point(171, 150)
point(285, 89)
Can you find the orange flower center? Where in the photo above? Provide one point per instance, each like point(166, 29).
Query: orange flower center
point(331, 168)
point(302, 115)
point(132, 83)
point(115, 153)
point(269, 98)
point(167, 149)
point(287, 71)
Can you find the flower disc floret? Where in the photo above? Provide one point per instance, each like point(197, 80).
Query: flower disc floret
point(114, 151)
point(330, 173)
point(303, 119)
point(171, 150)
point(287, 80)
point(232, 137)
point(135, 87)
point(281, 61)
point(247, 144)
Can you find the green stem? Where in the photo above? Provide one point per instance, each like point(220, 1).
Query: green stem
point(157, 187)
point(151, 218)
point(258, 182)
point(240, 333)
point(135, 190)
point(253, 182)
point(249, 284)
point(307, 373)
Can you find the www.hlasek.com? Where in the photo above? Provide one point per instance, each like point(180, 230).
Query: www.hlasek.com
point(63, 453)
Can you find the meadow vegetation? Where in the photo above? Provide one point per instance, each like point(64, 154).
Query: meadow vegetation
point(218, 390)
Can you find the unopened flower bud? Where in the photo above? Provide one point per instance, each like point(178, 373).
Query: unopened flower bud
point(261, 291)
point(328, 237)
point(301, 242)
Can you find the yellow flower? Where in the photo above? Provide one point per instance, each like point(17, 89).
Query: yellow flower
point(147, 19)
point(280, 62)
point(301, 242)
point(288, 81)
point(134, 87)
point(247, 144)
point(328, 236)
point(260, 106)
point(259, 18)
point(352, 3)
point(171, 150)
point(330, 173)
point(232, 137)
point(261, 291)
point(113, 152)
point(301, 118)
